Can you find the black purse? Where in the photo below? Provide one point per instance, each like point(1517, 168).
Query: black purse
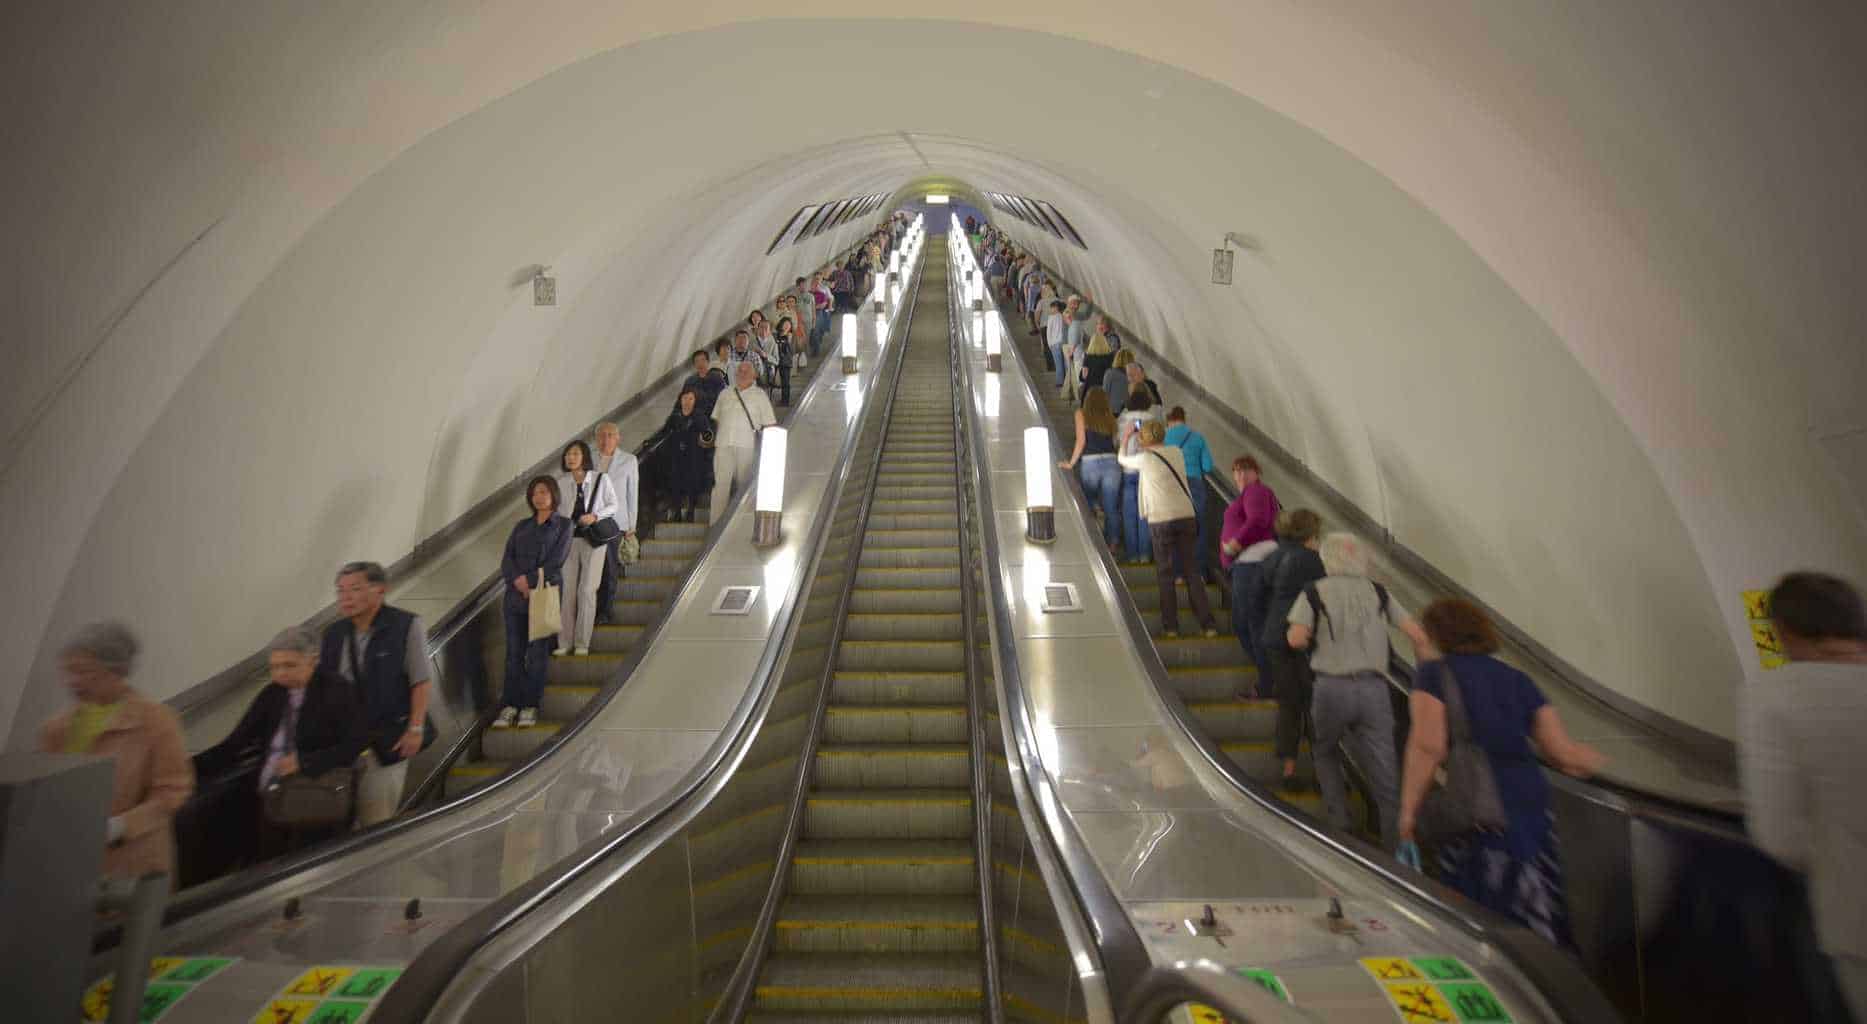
point(605, 530)
point(300, 800)
point(1464, 796)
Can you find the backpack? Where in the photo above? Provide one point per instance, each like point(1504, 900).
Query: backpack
point(1322, 610)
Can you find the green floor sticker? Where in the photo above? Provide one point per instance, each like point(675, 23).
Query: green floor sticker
point(1266, 980)
point(197, 970)
point(334, 1011)
point(1475, 1003)
point(1443, 968)
point(158, 998)
point(368, 983)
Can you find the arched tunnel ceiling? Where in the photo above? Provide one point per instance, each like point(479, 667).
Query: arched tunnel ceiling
point(266, 285)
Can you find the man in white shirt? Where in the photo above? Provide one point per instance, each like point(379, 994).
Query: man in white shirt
point(624, 475)
point(741, 413)
point(1803, 760)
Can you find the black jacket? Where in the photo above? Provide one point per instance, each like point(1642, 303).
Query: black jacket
point(332, 728)
point(1281, 579)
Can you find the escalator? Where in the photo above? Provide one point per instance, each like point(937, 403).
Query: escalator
point(882, 911)
point(1211, 674)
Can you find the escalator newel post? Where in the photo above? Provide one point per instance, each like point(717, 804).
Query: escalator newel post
point(1040, 513)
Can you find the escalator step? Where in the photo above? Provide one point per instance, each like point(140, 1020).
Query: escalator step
point(828, 981)
point(896, 923)
point(877, 866)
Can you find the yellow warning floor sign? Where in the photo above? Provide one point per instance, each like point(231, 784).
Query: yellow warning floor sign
point(1203, 1014)
point(287, 1011)
point(163, 964)
point(1419, 1003)
point(1391, 968)
point(318, 982)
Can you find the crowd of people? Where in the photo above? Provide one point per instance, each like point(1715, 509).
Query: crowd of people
point(1310, 618)
point(346, 709)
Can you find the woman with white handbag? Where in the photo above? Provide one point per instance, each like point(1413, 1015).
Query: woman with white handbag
point(533, 568)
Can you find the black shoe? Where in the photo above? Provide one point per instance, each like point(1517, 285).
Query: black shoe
point(1295, 785)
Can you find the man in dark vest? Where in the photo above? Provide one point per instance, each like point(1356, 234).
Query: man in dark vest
point(383, 651)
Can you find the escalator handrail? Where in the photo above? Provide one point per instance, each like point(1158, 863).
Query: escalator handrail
point(427, 979)
point(1559, 979)
point(736, 999)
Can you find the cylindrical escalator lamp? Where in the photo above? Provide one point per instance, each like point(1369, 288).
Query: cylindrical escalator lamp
point(1040, 515)
point(994, 343)
point(768, 502)
point(849, 343)
point(894, 261)
point(978, 329)
point(880, 294)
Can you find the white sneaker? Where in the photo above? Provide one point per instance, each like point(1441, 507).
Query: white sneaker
point(528, 718)
point(560, 651)
point(581, 651)
point(506, 715)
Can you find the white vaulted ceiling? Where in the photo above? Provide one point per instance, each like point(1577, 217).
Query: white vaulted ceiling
point(1567, 299)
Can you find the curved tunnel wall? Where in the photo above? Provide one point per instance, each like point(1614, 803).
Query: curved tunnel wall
point(1549, 404)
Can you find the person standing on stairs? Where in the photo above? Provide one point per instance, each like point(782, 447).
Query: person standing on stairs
point(1115, 381)
point(1095, 455)
point(535, 553)
point(624, 473)
point(1246, 538)
point(1346, 615)
point(1137, 541)
point(1056, 342)
point(706, 382)
point(1166, 504)
point(383, 651)
point(688, 442)
point(1192, 445)
point(1138, 378)
point(589, 497)
point(784, 345)
point(1286, 572)
point(741, 413)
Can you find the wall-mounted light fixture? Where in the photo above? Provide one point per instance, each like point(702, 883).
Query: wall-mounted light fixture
point(936, 199)
point(544, 287)
point(768, 502)
point(1040, 515)
point(994, 343)
point(849, 343)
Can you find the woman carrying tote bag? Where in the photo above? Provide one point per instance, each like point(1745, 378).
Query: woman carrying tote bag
point(1503, 855)
point(533, 568)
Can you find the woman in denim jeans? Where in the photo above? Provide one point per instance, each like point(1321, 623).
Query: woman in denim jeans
point(1095, 450)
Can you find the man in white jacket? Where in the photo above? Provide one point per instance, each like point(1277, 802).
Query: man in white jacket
point(620, 465)
point(740, 413)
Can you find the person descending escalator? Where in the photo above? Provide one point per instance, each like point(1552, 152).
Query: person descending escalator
point(706, 382)
point(687, 437)
point(784, 354)
point(1345, 616)
point(534, 556)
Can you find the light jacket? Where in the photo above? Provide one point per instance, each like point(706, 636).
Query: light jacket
point(154, 777)
point(1162, 497)
point(739, 427)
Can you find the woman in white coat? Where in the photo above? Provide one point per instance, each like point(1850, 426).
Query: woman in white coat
point(589, 497)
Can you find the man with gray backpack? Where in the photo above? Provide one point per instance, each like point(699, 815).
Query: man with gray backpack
point(1346, 615)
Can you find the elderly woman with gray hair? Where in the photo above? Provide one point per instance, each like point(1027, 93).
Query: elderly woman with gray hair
point(308, 720)
point(1345, 615)
point(143, 737)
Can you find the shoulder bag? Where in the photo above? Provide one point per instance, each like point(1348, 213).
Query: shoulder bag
point(1177, 478)
point(545, 613)
point(309, 801)
point(1463, 797)
point(604, 530)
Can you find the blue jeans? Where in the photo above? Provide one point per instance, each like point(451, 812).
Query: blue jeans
point(1135, 537)
point(1063, 365)
point(1247, 616)
point(526, 660)
point(1196, 486)
point(1101, 476)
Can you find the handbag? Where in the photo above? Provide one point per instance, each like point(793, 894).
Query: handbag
point(803, 361)
point(1463, 797)
point(311, 801)
point(604, 530)
point(545, 614)
point(629, 551)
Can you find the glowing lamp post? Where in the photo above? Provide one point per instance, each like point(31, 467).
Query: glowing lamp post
point(768, 503)
point(849, 343)
point(881, 293)
point(1040, 515)
point(994, 343)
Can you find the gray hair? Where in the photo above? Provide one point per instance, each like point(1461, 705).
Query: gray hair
point(294, 640)
point(1344, 554)
point(111, 643)
point(372, 571)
